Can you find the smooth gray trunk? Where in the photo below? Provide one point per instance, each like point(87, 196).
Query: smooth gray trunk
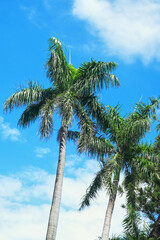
point(54, 212)
point(109, 212)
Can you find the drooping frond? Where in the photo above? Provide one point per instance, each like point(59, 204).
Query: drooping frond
point(92, 76)
point(73, 135)
point(132, 220)
point(112, 173)
point(57, 66)
point(131, 223)
point(46, 124)
point(99, 147)
point(108, 119)
point(96, 110)
point(116, 123)
point(24, 97)
point(93, 189)
point(87, 127)
point(30, 114)
point(135, 130)
point(65, 104)
point(105, 177)
point(138, 123)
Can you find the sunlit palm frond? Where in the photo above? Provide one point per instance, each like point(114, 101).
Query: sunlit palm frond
point(92, 76)
point(105, 177)
point(24, 96)
point(116, 124)
point(99, 147)
point(57, 66)
point(143, 110)
point(93, 189)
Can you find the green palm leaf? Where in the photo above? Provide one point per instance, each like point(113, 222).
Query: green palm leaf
point(92, 76)
point(25, 96)
point(46, 124)
point(57, 66)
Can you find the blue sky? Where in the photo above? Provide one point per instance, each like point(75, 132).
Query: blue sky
point(124, 31)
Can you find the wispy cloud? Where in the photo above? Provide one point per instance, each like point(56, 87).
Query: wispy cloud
point(128, 29)
point(36, 14)
point(48, 4)
point(41, 152)
point(25, 203)
point(7, 132)
point(73, 160)
point(32, 14)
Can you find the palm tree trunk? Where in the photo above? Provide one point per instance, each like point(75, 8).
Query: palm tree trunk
point(109, 212)
point(54, 212)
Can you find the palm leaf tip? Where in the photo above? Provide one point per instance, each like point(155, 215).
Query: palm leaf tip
point(53, 41)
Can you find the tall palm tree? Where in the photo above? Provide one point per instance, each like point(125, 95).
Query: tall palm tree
point(119, 143)
point(69, 89)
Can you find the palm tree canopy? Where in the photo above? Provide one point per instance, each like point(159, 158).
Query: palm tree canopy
point(70, 87)
point(117, 146)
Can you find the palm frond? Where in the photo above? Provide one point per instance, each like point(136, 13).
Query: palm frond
point(135, 130)
point(92, 76)
point(57, 66)
point(87, 127)
point(30, 114)
point(65, 104)
point(157, 144)
point(24, 96)
point(73, 135)
point(46, 124)
point(143, 110)
point(158, 127)
point(98, 147)
point(106, 177)
point(96, 110)
point(131, 223)
point(93, 189)
point(111, 177)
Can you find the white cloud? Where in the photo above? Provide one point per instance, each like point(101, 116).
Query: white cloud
point(7, 132)
point(128, 28)
point(25, 203)
point(41, 152)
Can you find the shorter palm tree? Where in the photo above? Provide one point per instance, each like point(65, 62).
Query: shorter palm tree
point(120, 147)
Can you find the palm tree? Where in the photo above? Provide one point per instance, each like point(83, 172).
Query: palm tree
point(119, 142)
point(69, 89)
